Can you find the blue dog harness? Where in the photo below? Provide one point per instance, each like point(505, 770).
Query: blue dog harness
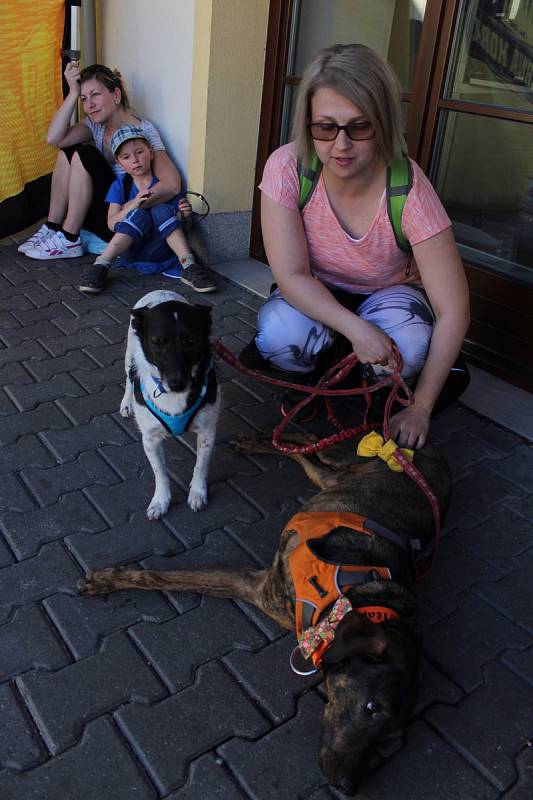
point(176, 424)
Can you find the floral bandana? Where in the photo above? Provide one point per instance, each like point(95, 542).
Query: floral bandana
point(322, 635)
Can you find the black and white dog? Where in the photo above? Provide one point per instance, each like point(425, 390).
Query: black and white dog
point(171, 387)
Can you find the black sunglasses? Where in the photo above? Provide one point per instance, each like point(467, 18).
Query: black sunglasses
point(328, 131)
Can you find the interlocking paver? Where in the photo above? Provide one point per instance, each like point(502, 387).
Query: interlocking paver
point(49, 484)
point(52, 570)
point(19, 746)
point(213, 629)
point(46, 416)
point(100, 432)
point(495, 725)
point(165, 736)
point(61, 702)
point(117, 503)
point(22, 352)
point(499, 540)
point(259, 767)
point(48, 368)
point(469, 638)
point(14, 495)
point(26, 532)
point(99, 767)
point(123, 544)
point(60, 345)
point(28, 641)
point(82, 409)
point(27, 396)
point(208, 780)
point(512, 595)
point(520, 662)
point(523, 789)
point(83, 622)
point(267, 676)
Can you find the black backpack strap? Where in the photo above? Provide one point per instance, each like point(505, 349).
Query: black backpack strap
point(127, 183)
point(399, 184)
point(308, 178)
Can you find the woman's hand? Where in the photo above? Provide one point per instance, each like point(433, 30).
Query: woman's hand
point(409, 427)
point(72, 77)
point(370, 344)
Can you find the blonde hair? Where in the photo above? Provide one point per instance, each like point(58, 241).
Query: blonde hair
point(110, 78)
point(360, 75)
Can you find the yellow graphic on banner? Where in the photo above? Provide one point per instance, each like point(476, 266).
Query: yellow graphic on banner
point(31, 34)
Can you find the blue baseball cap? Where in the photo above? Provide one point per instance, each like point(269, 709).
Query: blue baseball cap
point(124, 134)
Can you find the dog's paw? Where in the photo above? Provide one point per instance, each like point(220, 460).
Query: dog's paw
point(98, 582)
point(126, 409)
point(158, 507)
point(197, 498)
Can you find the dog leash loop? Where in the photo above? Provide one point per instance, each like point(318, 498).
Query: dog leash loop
point(295, 669)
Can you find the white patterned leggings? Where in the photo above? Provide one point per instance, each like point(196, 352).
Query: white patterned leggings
point(292, 341)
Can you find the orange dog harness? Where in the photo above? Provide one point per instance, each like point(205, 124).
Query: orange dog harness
point(318, 583)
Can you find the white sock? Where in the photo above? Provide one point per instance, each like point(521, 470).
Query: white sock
point(102, 261)
point(187, 260)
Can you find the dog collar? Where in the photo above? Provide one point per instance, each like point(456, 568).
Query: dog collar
point(176, 424)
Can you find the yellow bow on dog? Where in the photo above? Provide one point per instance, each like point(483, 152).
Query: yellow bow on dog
point(373, 445)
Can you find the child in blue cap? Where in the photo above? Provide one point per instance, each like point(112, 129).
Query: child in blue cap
point(147, 239)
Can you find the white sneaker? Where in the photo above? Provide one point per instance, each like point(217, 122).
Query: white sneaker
point(39, 236)
point(56, 246)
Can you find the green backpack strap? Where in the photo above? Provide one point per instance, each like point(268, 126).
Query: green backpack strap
point(399, 184)
point(308, 179)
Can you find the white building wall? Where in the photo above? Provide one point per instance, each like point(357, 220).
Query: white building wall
point(151, 43)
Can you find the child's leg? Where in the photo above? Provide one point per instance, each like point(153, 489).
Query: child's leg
point(118, 245)
point(178, 244)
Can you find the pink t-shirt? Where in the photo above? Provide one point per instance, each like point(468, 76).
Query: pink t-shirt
point(359, 265)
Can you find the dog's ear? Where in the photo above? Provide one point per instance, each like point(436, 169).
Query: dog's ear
point(137, 318)
point(356, 636)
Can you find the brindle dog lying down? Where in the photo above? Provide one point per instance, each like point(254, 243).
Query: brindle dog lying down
point(371, 671)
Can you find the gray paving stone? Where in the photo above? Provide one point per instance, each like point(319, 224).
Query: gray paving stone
point(262, 538)
point(14, 495)
point(453, 571)
point(176, 648)
point(129, 460)
point(54, 311)
point(482, 489)
point(14, 302)
point(100, 377)
point(6, 556)
point(84, 621)
point(19, 747)
point(117, 503)
point(512, 596)
point(502, 704)
point(8, 322)
point(208, 780)
point(167, 735)
point(225, 506)
point(14, 374)
point(462, 450)
point(45, 417)
point(91, 319)
point(41, 330)
point(42, 297)
point(230, 424)
point(284, 764)
point(27, 451)
point(48, 368)
point(498, 437)
point(427, 768)
point(48, 485)
point(521, 662)
point(99, 767)
point(61, 702)
point(7, 407)
point(470, 637)
point(517, 467)
point(26, 532)
point(82, 409)
point(100, 432)
point(28, 641)
point(273, 489)
point(123, 544)
point(51, 571)
point(26, 397)
point(22, 352)
point(59, 345)
point(435, 688)
point(107, 354)
point(499, 540)
point(523, 789)
point(267, 676)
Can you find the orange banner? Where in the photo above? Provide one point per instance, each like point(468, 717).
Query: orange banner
point(31, 35)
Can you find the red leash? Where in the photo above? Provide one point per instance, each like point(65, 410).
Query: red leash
point(334, 375)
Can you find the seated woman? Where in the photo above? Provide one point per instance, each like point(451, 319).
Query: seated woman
point(82, 175)
point(337, 265)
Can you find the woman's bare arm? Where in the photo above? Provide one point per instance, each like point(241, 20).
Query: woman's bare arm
point(169, 181)
point(60, 133)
